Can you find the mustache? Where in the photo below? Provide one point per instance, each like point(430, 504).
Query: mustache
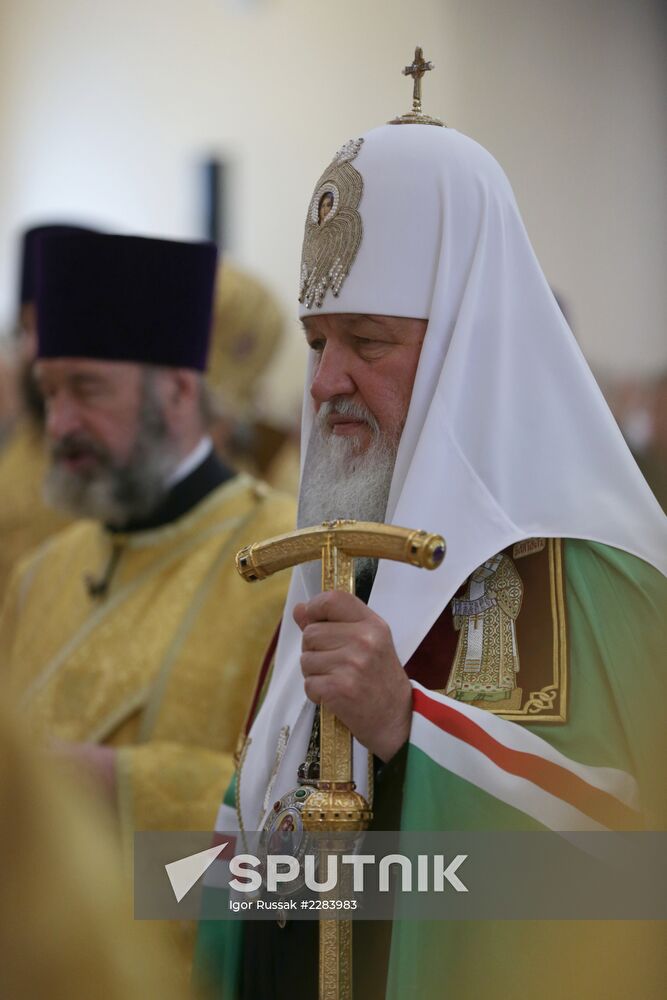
point(76, 445)
point(343, 407)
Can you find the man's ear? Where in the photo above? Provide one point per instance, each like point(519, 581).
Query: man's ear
point(181, 388)
point(179, 392)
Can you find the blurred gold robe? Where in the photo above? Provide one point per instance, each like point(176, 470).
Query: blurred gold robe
point(163, 665)
point(25, 520)
point(66, 927)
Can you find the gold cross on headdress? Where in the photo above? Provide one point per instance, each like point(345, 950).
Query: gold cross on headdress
point(416, 70)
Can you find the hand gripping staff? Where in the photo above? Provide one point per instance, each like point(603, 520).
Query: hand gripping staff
point(335, 807)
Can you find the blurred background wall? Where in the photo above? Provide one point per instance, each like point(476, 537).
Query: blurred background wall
point(108, 109)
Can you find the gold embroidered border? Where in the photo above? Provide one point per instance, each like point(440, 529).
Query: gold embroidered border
point(553, 695)
point(163, 674)
point(371, 780)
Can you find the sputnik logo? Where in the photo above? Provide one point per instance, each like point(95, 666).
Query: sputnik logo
point(186, 872)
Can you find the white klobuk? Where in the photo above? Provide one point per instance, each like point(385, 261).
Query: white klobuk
point(507, 437)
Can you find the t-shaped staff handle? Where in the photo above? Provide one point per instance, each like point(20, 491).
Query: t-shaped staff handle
point(335, 806)
point(337, 544)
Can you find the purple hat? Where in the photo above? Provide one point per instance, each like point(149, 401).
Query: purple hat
point(125, 298)
point(31, 239)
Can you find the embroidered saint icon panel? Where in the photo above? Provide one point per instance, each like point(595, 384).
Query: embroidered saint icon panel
point(333, 228)
point(510, 619)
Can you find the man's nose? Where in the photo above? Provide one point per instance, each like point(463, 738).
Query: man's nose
point(62, 417)
point(333, 376)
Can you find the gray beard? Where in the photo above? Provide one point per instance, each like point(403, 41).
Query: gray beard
point(117, 495)
point(340, 482)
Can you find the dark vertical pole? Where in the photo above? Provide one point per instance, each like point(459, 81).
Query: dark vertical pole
point(215, 215)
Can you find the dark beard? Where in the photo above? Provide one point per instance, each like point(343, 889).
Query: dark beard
point(112, 494)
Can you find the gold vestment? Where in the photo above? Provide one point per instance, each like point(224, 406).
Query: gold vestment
point(66, 927)
point(163, 665)
point(25, 520)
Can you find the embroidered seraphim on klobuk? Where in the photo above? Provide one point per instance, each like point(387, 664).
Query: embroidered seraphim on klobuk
point(333, 228)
